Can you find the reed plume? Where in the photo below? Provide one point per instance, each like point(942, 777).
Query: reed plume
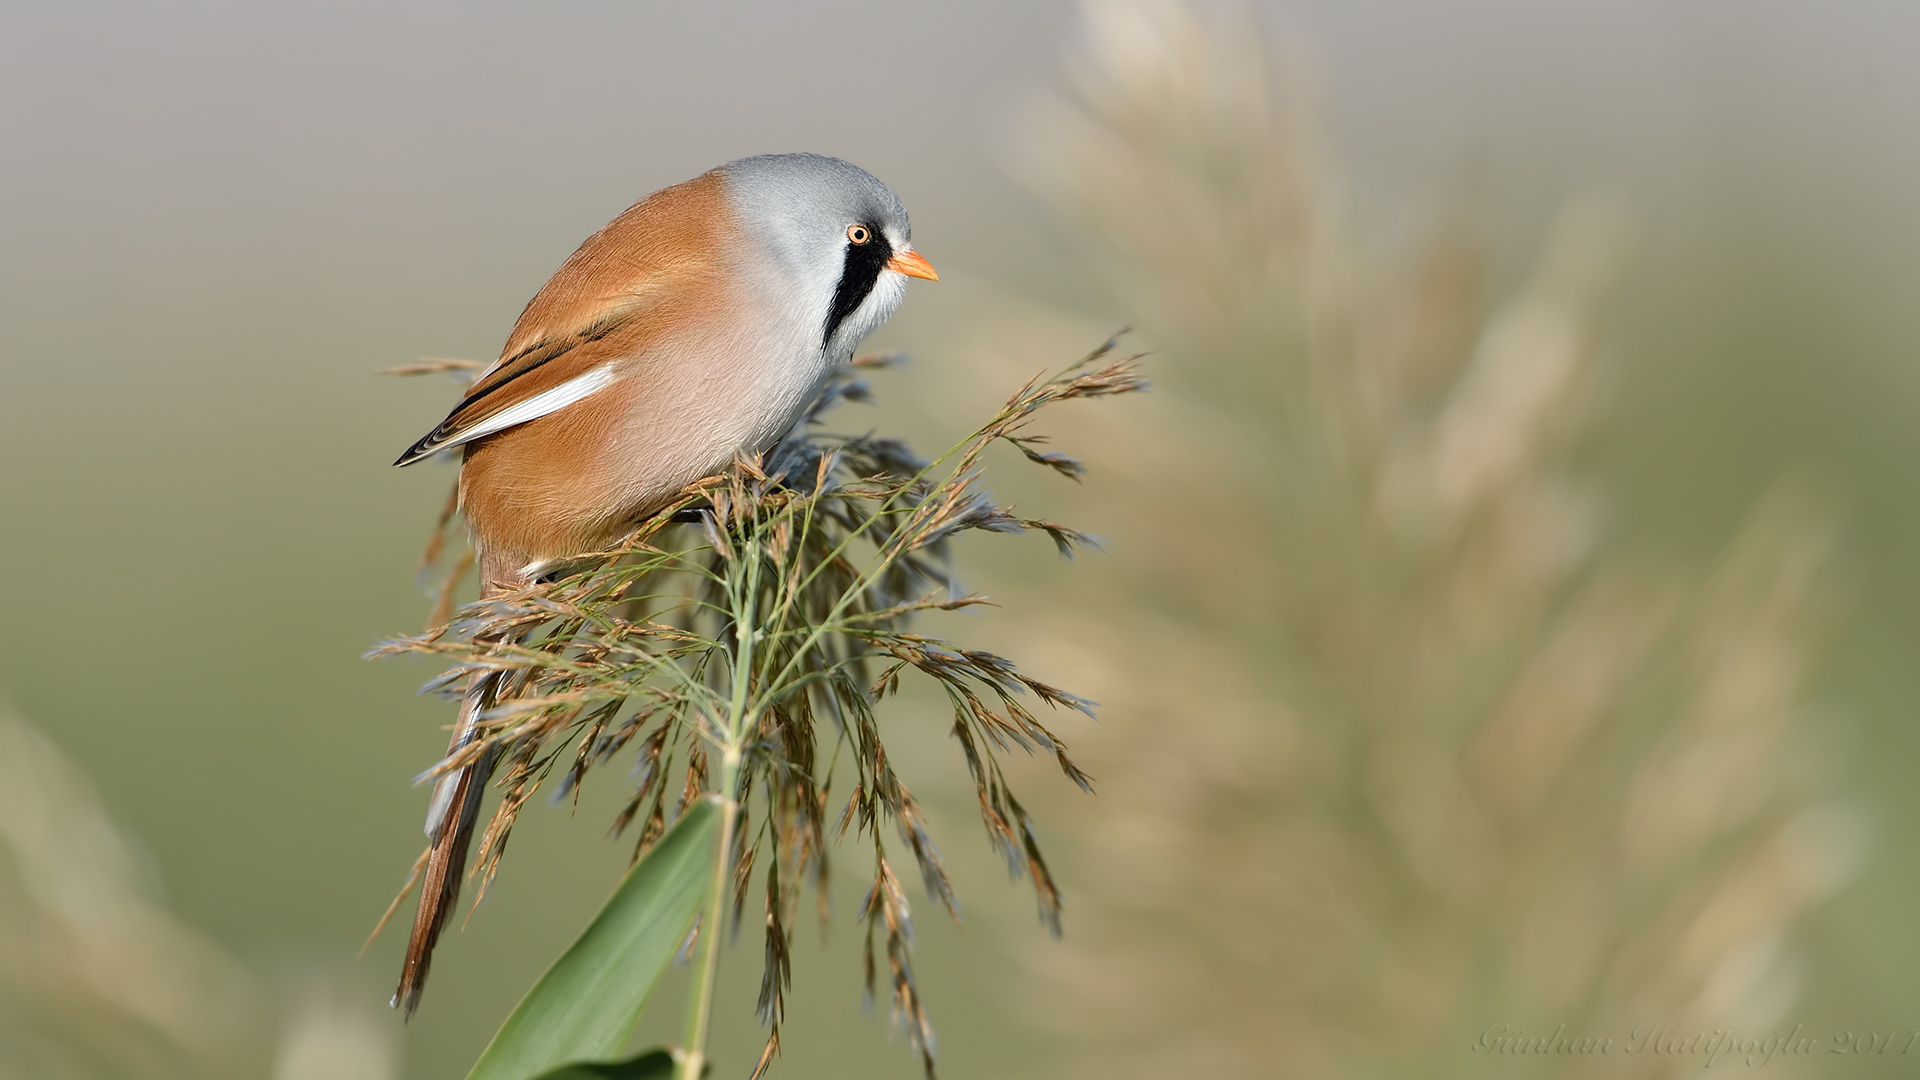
point(738, 645)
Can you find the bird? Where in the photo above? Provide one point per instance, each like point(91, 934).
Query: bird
point(693, 330)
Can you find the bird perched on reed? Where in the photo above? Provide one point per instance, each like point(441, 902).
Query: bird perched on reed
point(693, 329)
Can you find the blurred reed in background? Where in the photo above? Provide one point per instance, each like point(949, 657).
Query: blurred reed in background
point(1401, 743)
point(97, 979)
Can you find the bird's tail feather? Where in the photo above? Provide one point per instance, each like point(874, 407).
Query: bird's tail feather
point(450, 823)
point(455, 808)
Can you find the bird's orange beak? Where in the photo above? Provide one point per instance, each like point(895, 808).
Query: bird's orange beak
point(910, 263)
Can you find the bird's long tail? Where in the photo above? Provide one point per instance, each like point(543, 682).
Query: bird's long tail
point(451, 817)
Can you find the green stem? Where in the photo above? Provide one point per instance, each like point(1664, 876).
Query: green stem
point(700, 1008)
point(740, 725)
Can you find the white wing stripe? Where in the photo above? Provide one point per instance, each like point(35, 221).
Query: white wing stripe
point(539, 404)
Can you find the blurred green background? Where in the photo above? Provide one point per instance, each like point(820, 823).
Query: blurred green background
point(216, 220)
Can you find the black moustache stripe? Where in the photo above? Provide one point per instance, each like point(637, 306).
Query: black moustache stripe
point(863, 266)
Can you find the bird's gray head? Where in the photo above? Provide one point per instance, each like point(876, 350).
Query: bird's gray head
point(837, 236)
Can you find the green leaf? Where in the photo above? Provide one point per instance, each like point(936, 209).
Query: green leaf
point(584, 1007)
point(651, 1065)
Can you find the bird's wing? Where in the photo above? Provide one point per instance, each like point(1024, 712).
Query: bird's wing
point(551, 373)
point(649, 269)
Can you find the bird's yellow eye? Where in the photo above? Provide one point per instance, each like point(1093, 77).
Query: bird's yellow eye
point(859, 234)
